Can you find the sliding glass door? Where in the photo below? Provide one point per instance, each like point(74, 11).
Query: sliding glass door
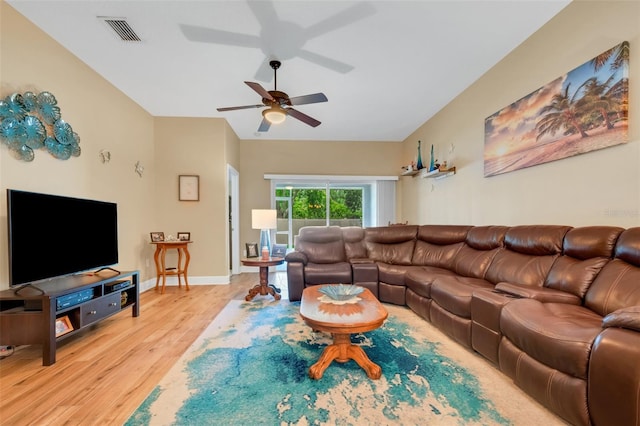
point(330, 201)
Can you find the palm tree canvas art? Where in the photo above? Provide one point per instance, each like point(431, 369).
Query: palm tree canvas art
point(584, 110)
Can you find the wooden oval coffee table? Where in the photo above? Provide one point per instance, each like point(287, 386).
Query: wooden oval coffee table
point(341, 321)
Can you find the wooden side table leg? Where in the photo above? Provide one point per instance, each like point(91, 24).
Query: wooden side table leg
point(178, 270)
point(187, 258)
point(156, 260)
point(164, 270)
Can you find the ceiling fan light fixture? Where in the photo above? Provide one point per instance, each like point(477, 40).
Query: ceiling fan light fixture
point(274, 115)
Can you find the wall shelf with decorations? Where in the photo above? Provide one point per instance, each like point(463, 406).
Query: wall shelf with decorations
point(410, 172)
point(437, 174)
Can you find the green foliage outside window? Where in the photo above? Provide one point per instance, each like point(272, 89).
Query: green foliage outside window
point(311, 203)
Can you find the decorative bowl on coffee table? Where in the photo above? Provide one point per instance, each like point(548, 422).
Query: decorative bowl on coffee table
point(341, 291)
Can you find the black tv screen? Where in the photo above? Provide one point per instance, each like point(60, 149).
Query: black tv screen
point(52, 235)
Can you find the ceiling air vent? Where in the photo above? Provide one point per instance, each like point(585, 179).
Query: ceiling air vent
point(121, 27)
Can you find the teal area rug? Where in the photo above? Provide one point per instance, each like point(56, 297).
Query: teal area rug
point(250, 367)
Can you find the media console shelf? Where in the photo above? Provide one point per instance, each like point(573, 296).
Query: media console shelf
point(51, 311)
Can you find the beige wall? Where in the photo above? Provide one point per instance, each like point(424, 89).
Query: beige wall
point(102, 116)
point(600, 187)
point(106, 119)
point(260, 157)
point(597, 188)
point(194, 146)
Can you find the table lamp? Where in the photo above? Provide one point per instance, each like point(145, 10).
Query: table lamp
point(264, 220)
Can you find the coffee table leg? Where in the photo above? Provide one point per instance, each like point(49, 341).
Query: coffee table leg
point(342, 350)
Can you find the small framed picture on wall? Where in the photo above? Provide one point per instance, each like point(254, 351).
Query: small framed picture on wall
point(189, 188)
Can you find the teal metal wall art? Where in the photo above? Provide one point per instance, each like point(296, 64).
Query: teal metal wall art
point(31, 122)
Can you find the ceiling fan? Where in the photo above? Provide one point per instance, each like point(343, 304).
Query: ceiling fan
point(279, 103)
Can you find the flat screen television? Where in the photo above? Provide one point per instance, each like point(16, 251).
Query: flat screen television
point(52, 236)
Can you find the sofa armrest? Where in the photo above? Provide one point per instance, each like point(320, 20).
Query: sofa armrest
point(614, 377)
point(297, 256)
point(542, 294)
point(295, 280)
point(365, 274)
point(624, 318)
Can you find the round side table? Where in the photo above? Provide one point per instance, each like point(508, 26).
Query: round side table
point(264, 287)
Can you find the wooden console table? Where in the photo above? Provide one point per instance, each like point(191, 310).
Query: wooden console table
point(181, 270)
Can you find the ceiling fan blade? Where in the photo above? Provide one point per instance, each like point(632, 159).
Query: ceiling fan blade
point(308, 99)
point(260, 90)
point(341, 19)
point(264, 11)
point(264, 125)
point(210, 35)
point(303, 117)
point(323, 61)
point(240, 107)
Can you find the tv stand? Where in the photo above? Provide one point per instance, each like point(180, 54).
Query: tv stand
point(61, 307)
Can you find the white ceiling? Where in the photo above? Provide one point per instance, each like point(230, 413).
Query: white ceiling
point(386, 67)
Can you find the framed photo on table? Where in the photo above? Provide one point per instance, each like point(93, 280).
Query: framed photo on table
point(252, 249)
point(184, 236)
point(279, 250)
point(189, 188)
point(157, 237)
point(63, 326)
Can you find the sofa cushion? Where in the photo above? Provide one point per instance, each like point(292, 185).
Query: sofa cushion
point(420, 279)
point(482, 243)
point(322, 273)
point(518, 268)
point(556, 334)
point(616, 286)
point(536, 240)
point(454, 293)
point(437, 245)
point(321, 244)
point(585, 251)
point(393, 274)
point(443, 235)
point(528, 256)
point(587, 242)
point(391, 244)
point(618, 283)
point(354, 247)
point(628, 246)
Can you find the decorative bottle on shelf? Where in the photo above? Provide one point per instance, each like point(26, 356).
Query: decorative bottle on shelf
point(432, 164)
point(419, 161)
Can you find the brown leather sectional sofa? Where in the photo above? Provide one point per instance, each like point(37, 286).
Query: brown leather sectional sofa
point(555, 308)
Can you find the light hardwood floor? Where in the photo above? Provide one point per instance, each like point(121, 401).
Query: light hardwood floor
point(103, 374)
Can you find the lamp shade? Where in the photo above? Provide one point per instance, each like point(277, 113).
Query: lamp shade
point(264, 219)
point(274, 115)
